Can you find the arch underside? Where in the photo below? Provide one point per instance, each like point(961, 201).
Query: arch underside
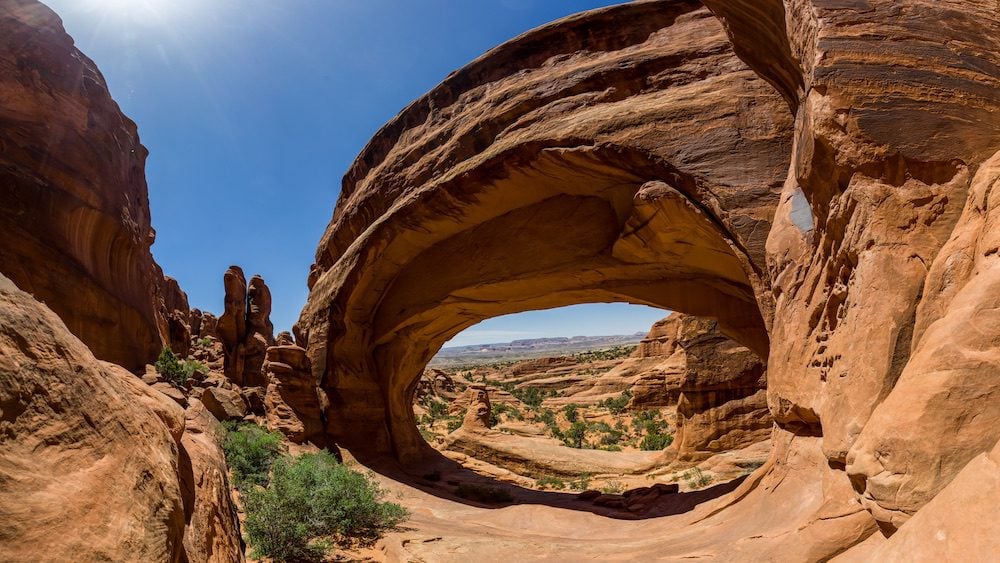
point(645, 173)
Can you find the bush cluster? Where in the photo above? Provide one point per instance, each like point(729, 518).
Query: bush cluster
point(617, 405)
point(250, 451)
point(175, 370)
point(312, 502)
point(298, 508)
point(613, 353)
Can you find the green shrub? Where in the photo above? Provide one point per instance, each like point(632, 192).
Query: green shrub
point(571, 413)
point(484, 494)
point(205, 342)
point(175, 370)
point(696, 478)
point(427, 435)
point(649, 422)
point(503, 408)
point(613, 488)
point(575, 435)
point(619, 404)
point(550, 482)
point(582, 482)
point(311, 501)
point(171, 368)
point(531, 396)
point(656, 441)
point(454, 424)
point(612, 353)
point(250, 450)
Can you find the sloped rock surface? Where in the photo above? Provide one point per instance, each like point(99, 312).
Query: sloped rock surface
point(88, 453)
point(212, 531)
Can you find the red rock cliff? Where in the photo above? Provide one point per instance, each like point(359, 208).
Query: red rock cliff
point(75, 215)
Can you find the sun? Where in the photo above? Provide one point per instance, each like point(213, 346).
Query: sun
point(146, 12)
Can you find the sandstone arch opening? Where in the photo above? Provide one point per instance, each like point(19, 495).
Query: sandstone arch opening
point(539, 188)
point(679, 406)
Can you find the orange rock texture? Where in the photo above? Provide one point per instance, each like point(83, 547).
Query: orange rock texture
point(622, 155)
point(75, 215)
point(88, 453)
point(816, 175)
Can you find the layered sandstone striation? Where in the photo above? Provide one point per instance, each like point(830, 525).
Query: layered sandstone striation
point(815, 175)
point(291, 400)
point(75, 213)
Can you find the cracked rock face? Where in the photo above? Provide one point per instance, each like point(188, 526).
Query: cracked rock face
point(816, 175)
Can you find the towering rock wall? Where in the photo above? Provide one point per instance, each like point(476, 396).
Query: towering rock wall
point(75, 214)
point(881, 258)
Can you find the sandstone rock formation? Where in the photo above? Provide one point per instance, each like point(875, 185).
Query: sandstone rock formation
point(212, 531)
point(203, 324)
point(224, 404)
point(75, 213)
point(88, 453)
point(477, 414)
point(245, 328)
point(579, 160)
point(177, 317)
point(291, 401)
point(838, 220)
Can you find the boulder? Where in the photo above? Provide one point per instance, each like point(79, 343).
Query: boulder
point(84, 446)
point(171, 392)
point(224, 404)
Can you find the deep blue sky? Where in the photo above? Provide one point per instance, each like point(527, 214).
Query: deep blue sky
point(253, 109)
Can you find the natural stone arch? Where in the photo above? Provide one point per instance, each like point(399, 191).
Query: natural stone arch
point(633, 158)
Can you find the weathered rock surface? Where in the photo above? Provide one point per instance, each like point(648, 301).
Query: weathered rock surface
point(224, 404)
point(212, 531)
point(75, 213)
point(203, 324)
point(291, 399)
point(477, 413)
point(177, 316)
point(717, 386)
point(627, 155)
point(245, 328)
point(879, 327)
point(88, 453)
